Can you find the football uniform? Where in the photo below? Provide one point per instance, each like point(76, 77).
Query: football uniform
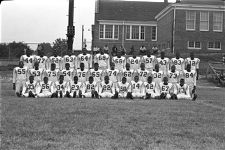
point(68, 74)
point(72, 60)
point(143, 75)
point(52, 75)
point(134, 62)
point(29, 87)
point(19, 78)
point(38, 74)
point(97, 75)
point(173, 77)
point(179, 63)
point(151, 88)
point(123, 89)
point(137, 89)
point(82, 75)
point(113, 75)
point(89, 88)
point(190, 78)
point(57, 61)
point(149, 62)
point(86, 59)
point(119, 62)
point(166, 89)
point(28, 61)
point(45, 90)
point(72, 87)
point(43, 61)
point(128, 74)
point(102, 60)
point(163, 64)
point(183, 92)
point(157, 76)
point(60, 87)
point(194, 63)
point(106, 90)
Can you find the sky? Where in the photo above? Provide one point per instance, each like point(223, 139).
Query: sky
point(36, 21)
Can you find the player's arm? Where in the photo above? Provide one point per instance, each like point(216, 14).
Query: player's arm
point(24, 89)
point(108, 62)
point(124, 62)
point(90, 61)
point(142, 88)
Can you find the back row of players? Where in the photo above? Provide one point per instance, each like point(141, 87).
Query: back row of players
point(64, 76)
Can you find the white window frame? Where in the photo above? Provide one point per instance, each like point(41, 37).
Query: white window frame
point(113, 32)
point(130, 37)
point(189, 20)
point(221, 30)
point(204, 21)
point(194, 45)
point(155, 34)
point(214, 46)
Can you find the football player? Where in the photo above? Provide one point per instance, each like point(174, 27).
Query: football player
point(67, 73)
point(127, 73)
point(113, 74)
point(28, 59)
point(74, 88)
point(173, 75)
point(45, 88)
point(29, 88)
point(123, 89)
point(82, 73)
point(71, 59)
point(194, 62)
point(134, 62)
point(86, 59)
point(183, 90)
point(163, 63)
point(157, 75)
point(167, 90)
point(96, 73)
point(119, 61)
point(60, 87)
point(90, 89)
point(151, 89)
point(57, 60)
point(20, 75)
point(103, 60)
point(42, 60)
point(106, 89)
point(52, 73)
point(137, 88)
point(37, 72)
point(149, 61)
point(178, 62)
point(143, 73)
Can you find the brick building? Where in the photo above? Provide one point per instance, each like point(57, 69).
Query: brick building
point(195, 25)
point(127, 23)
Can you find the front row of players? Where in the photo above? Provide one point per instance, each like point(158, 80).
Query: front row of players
point(108, 89)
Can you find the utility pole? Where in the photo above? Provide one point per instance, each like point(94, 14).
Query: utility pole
point(70, 27)
point(82, 42)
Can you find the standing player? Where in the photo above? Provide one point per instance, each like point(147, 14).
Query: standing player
point(190, 79)
point(163, 63)
point(37, 72)
point(74, 88)
point(71, 59)
point(151, 89)
point(143, 73)
point(183, 90)
point(60, 87)
point(167, 90)
point(29, 88)
point(86, 59)
point(96, 73)
point(134, 62)
point(173, 75)
point(102, 59)
point(67, 73)
point(123, 89)
point(127, 73)
point(178, 62)
point(28, 59)
point(52, 73)
point(57, 60)
point(194, 62)
point(149, 61)
point(113, 74)
point(137, 88)
point(119, 61)
point(157, 75)
point(42, 60)
point(20, 75)
point(45, 88)
point(106, 89)
point(82, 73)
point(90, 89)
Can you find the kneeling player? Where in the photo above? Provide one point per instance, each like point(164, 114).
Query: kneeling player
point(90, 89)
point(29, 89)
point(106, 88)
point(151, 89)
point(45, 89)
point(123, 89)
point(137, 88)
point(60, 87)
point(166, 90)
point(183, 90)
point(74, 88)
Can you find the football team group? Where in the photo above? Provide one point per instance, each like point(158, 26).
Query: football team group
point(99, 76)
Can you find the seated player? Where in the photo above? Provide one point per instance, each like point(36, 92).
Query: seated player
point(36, 72)
point(82, 73)
point(190, 79)
point(74, 88)
point(157, 75)
point(151, 89)
point(60, 88)
point(123, 89)
point(19, 78)
point(52, 74)
point(183, 90)
point(173, 75)
point(45, 88)
point(96, 73)
point(143, 73)
point(106, 89)
point(127, 73)
point(67, 73)
point(166, 90)
point(29, 88)
point(119, 61)
point(90, 89)
point(137, 88)
point(113, 74)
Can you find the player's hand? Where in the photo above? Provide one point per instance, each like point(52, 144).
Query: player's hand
point(14, 86)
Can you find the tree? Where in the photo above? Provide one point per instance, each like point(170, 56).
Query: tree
point(46, 48)
point(60, 46)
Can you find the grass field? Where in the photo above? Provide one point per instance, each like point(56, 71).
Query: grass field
point(105, 124)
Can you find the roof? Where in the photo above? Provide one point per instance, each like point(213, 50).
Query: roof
point(203, 2)
point(129, 10)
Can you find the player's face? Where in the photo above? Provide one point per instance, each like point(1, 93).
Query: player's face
point(82, 66)
point(182, 82)
point(165, 80)
point(21, 64)
point(45, 80)
point(188, 67)
point(29, 53)
point(91, 80)
point(75, 79)
point(106, 79)
point(162, 54)
point(36, 65)
point(157, 67)
point(149, 79)
point(112, 66)
point(136, 78)
point(53, 67)
point(127, 66)
point(177, 55)
point(96, 66)
point(31, 78)
point(124, 80)
point(192, 55)
point(61, 78)
point(119, 54)
point(173, 68)
point(67, 66)
point(142, 66)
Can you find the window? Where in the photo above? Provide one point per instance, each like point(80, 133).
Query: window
point(154, 33)
point(214, 45)
point(204, 21)
point(190, 20)
point(134, 32)
point(108, 31)
point(194, 45)
point(218, 21)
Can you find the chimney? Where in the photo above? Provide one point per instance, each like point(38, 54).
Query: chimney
point(166, 1)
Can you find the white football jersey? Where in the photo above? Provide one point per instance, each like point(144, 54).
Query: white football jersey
point(183, 89)
point(157, 76)
point(149, 62)
point(57, 61)
point(86, 59)
point(173, 77)
point(46, 87)
point(97, 75)
point(134, 62)
point(151, 87)
point(123, 88)
point(190, 77)
point(72, 87)
point(113, 75)
point(38, 74)
point(163, 64)
point(72, 60)
point(27, 87)
point(194, 63)
point(106, 87)
point(168, 89)
point(82, 75)
point(119, 62)
point(42, 61)
point(89, 87)
point(52, 75)
point(143, 75)
point(20, 74)
point(179, 63)
point(28, 61)
point(137, 87)
point(60, 86)
point(128, 74)
point(102, 60)
point(68, 74)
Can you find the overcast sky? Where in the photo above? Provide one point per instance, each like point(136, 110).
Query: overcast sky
point(35, 21)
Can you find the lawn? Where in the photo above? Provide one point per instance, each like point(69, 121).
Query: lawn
point(105, 124)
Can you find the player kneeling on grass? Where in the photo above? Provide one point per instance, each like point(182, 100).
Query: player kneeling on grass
point(137, 88)
point(183, 90)
point(29, 88)
point(45, 88)
point(123, 89)
point(90, 89)
point(106, 89)
point(166, 90)
point(60, 87)
point(74, 88)
point(151, 89)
